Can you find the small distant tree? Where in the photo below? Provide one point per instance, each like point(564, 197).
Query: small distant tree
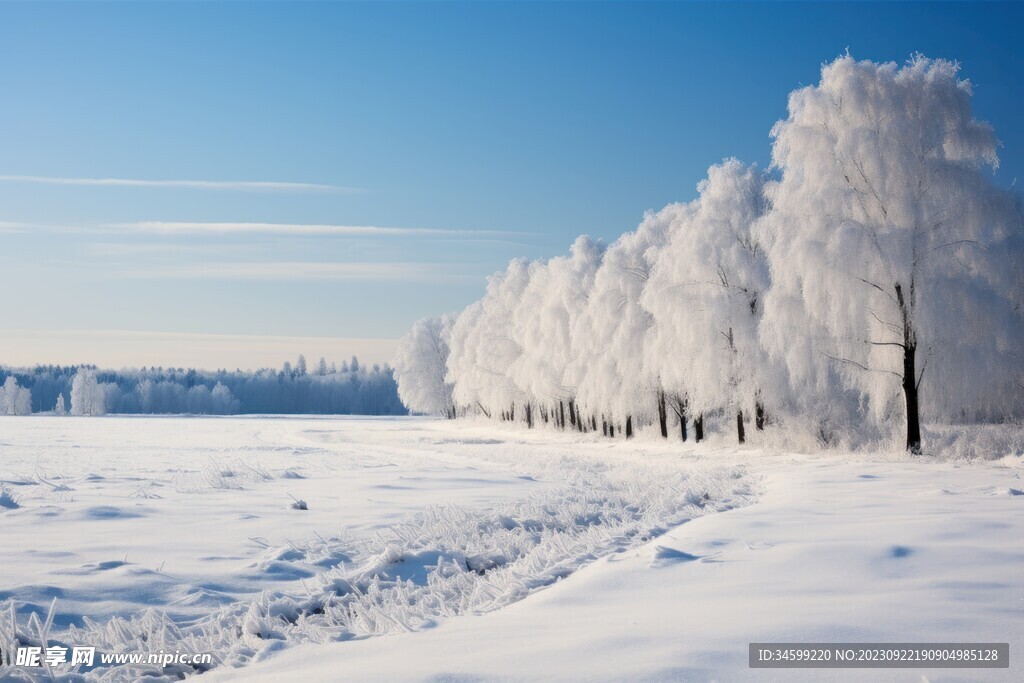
point(88, 397)
point(14, 399)
point(59, 409)
point(321, 367)
point(300, 366)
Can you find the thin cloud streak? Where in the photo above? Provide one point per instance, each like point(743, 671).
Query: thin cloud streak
point(305, 270)
point(200, 228)
point(234, 185)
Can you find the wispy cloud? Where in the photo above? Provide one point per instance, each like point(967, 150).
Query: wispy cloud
point(235, 185)
point(199, 228)
point(14, 226)
point(305, 270)
point(172, 228)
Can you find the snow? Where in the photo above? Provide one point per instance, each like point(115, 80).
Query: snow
point(832, 551)
point(458, 550)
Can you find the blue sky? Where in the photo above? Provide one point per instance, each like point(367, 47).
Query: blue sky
point(480, 131)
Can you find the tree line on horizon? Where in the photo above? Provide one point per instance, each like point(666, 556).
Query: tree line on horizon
point(871, 280)
point(352, 388)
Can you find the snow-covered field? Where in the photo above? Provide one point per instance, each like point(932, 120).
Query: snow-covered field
point(437, 550)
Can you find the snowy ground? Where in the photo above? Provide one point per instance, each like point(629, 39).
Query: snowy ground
point(456, 551)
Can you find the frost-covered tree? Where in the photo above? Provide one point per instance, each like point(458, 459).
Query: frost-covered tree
point(542, 324)
point(421, 364)
point(59, 408)
point(15, 399)
point(223, 402)
point(705, 293)
point(877, 241)
point(607, 363)
point(482, 346)
point(300, 365)
point(88, 395)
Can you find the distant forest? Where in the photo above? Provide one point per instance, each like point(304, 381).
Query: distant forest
point(351, 389)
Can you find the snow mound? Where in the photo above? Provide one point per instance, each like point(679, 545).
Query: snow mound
point(664, 555)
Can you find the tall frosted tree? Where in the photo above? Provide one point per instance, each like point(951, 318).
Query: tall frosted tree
point(705, 294)
point(421, 364)
point(482, 347)
point(542, 324)
point(878, 243)
point(607, 364)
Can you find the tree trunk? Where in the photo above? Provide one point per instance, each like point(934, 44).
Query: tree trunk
point(910, 392)
point(698, 429)
point(910, 378)
point(680, 409)
point(611, 430)
point(629, 427)
point(759, 416)
point(572, 413)
point(662, 415)
point(593, 423)
point(561, 413)
point(740, 433)
point(604, 426)
point(529, 416)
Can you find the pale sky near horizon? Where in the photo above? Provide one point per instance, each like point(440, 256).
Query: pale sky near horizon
point(232, 184)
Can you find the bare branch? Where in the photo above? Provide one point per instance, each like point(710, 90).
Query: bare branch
point(953, 244)
point(874, 343)
point(892, 326)
point(859, 365)
point(872, 284)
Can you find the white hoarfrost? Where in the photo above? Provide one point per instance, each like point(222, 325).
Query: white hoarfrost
point(483, 348)
point(885, 241)
point(421, 364)
point(543, 321)
point(14, 399)
point(704, 295)
point(89, 396)
point(877, 272)
point(608, 366)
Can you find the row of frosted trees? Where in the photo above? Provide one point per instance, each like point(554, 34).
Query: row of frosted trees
point(873, 279)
